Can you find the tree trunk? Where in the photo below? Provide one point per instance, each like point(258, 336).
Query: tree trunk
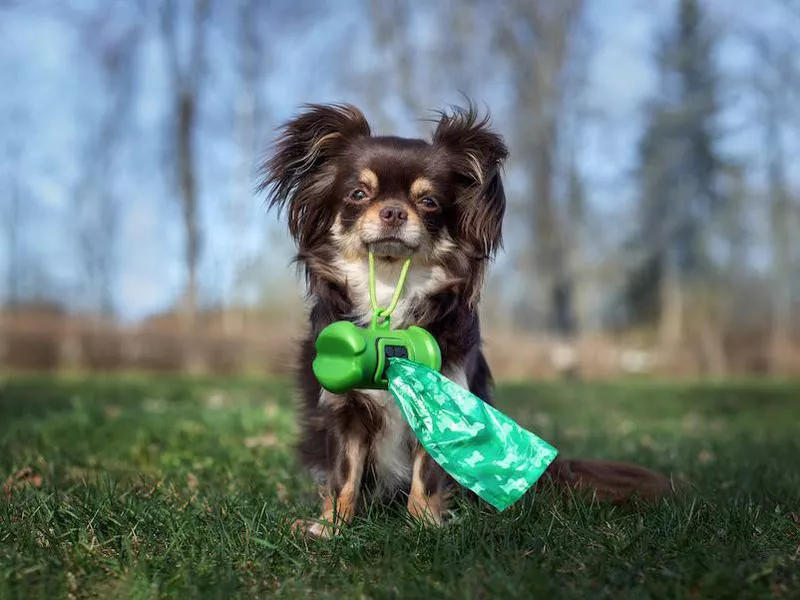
point(780, 219)
point(672, 302)
point(245, 127)
point(12, 229)
point(186, 81)
point(188, 190)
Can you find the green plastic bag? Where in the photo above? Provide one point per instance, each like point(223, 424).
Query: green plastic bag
point(480, 447)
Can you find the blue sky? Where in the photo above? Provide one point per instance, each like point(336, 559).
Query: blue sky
point(49, 82)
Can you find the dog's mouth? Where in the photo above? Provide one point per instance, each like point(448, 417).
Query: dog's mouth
point(391, 247)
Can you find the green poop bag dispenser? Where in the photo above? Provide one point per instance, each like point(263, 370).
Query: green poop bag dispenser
point(351, 357)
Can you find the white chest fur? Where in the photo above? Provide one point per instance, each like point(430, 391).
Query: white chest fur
point(422, 281)
point(392, 459)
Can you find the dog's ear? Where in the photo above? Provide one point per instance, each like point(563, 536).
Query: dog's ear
point(477, 156)
point(301, 173)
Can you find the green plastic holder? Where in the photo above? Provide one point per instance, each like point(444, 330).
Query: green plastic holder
point(351, 357)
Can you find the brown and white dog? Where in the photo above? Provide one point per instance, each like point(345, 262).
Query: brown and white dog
point(346, 192)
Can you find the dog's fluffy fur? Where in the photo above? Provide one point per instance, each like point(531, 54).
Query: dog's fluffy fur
point(441, 202)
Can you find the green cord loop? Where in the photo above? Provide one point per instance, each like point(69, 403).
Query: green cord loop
point(383, 314)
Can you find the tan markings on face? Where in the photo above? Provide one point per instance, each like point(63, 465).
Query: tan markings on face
point(369, 178)
point(350, 244)
point(421, 187)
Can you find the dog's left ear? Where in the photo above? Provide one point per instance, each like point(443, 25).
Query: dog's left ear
point(301, 172)
point(477, 156)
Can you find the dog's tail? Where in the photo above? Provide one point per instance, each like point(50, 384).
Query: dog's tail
point(606, 480)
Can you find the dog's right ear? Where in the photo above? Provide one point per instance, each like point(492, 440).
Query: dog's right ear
point(300, 173)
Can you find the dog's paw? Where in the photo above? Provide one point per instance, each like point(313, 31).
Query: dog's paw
point(427, 520)
point(428, 511)
point(314, 529)
point(422, 516)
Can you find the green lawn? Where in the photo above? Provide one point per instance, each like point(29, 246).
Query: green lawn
point(144, 488)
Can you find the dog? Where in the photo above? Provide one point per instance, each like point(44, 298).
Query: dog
point(346, 192)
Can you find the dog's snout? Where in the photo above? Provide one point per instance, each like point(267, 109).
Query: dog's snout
point(393, 215)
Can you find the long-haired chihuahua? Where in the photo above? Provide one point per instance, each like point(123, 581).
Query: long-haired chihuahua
point(441, 202)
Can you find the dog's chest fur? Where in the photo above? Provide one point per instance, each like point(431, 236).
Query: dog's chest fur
point(392, 459)
point(421, 282)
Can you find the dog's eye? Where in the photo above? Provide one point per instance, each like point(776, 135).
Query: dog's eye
point(358, 195)
point(429, 203)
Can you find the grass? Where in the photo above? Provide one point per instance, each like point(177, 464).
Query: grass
point(144, 488)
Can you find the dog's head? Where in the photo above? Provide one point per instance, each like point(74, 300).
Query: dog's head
point(349, 192)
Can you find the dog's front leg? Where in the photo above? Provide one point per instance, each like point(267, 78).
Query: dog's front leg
point(343, 478)
point(431, 486)
point(430, 493)
point(340, 494)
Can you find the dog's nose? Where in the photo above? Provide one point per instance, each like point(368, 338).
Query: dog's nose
point(394, 215)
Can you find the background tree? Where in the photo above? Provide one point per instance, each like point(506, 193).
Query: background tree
point(678, 174)
point(539, 40)
point(186, 69)
point(777, 83)
point(111, 50)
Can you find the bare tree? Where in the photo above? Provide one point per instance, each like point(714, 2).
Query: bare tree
point(112, 52)
point(538, 39)
point(185, 69)
point(12, 225)
point(773, 80)
point(250, 51)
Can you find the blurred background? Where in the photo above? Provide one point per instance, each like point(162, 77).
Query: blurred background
point(654, 191)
